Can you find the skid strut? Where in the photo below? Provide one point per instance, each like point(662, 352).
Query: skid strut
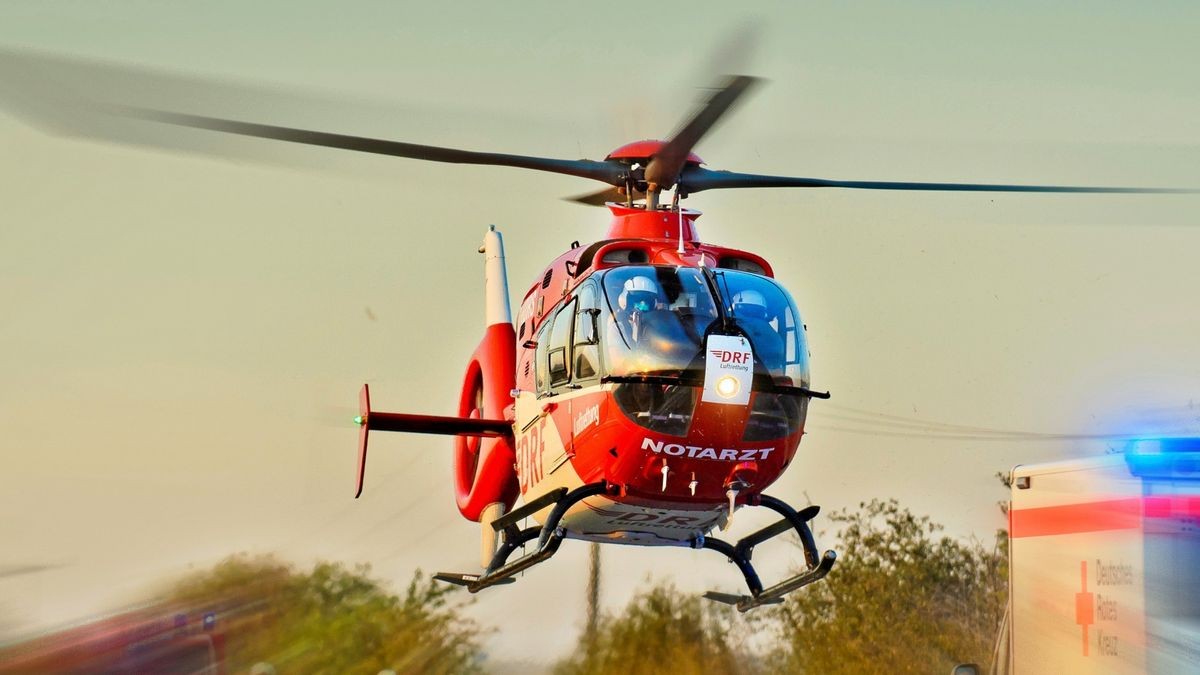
point(549, 536)
point(817, 565)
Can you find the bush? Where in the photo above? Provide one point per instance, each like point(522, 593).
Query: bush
point(331, 619)
point(660, 631)
point(901, 599)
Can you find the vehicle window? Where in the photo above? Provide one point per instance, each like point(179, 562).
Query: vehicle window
point(558, 365)
point(765, 313)
point(541, 378)
point(586, 361)
point(656, 319)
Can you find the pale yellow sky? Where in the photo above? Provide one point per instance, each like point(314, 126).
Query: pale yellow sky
point(182, 336)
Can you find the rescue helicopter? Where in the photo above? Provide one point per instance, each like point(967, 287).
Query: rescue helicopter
point(650, 385)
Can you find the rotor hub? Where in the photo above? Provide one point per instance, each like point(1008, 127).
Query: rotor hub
point(646, 149)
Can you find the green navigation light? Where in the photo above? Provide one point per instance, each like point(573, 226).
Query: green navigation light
point(360, 420)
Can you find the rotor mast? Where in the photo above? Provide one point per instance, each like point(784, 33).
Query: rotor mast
point(638, 222)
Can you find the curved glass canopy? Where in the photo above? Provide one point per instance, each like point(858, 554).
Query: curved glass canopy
point(645, 327)
point(654, 321)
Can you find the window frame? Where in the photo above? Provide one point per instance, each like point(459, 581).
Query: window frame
point(561, 343)
point(586, 312)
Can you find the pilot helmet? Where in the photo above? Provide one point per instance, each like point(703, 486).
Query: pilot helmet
point(749, 304)
point(640, 293)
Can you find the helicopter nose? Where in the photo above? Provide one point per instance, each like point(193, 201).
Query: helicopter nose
point(743, 475)
point(719, 423)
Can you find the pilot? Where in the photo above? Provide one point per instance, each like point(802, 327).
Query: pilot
point(638, 295)
point(750, 309)
point(750, 304)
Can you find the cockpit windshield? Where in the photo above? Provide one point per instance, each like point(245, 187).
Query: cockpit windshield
point(764, 312)
point(655, 321)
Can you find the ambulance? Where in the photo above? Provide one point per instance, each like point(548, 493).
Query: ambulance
point(1105, 563)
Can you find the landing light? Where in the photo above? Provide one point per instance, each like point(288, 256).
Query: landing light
point(728, 386)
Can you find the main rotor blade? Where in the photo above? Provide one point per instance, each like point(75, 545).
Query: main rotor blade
point(603, 197)
point(665, 166)
point(609, 172)
point(695, 179)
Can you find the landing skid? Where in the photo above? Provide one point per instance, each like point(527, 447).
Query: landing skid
point(549, 537)
point(739, 554)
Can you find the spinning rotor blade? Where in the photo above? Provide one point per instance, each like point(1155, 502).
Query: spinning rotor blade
point(695, 179)
point(609, 172)
point(85, 98)
point(604, 196)
point(665, 166)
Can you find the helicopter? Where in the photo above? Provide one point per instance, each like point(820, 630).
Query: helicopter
point(650, 384)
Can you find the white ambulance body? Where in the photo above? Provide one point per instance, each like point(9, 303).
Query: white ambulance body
point(1105, 562)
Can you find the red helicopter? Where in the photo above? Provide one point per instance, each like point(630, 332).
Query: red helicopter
point(651, 384)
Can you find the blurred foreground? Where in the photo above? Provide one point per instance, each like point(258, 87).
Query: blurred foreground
point(1099, 576)
point(902, 596)
point(260, 615)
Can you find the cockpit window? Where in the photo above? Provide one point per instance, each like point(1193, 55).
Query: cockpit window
point(656, 319)
point(766, 314)
point(653, 321)
point(586, 363)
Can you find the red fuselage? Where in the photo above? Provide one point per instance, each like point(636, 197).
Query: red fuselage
point(671, 450)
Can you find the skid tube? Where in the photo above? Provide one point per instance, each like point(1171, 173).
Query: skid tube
point(549, 537)
point(817, 565)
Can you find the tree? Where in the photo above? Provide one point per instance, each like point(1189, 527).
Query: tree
point(331, 619)
point(899, 600)
point(663, 630)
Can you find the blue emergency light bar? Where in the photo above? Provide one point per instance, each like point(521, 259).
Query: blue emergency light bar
point(1164, 457)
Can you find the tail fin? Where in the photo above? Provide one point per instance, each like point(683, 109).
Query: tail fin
point(484, 458)
point(483, 467)
point(369, 421)
point(495, 279)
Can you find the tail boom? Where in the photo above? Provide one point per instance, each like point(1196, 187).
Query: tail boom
point(369, 421)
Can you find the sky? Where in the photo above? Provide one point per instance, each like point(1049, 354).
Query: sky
point(183, 334)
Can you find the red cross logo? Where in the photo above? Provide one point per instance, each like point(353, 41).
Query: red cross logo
point(1085, 608)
